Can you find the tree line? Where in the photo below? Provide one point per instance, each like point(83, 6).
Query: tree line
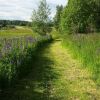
point(78, 16)
point(13, 23)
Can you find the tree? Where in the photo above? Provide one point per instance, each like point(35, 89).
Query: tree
point(40, 18)
point(81, 16)
point(57, 17)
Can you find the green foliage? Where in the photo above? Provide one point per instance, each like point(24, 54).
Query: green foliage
point(86, 48)
point(57, 17)
point(17, 63)
point(12, 23)
point(81, 16)
point(40, 18)
point(18, 31)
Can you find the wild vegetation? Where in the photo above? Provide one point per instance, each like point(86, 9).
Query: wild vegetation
point(81, 16)
point(5, 24)
point(40, 19)
point(18, 45)
point(67, 69)
point(79, 26)
point(57, 18)
point(86, 48)
point(16, 56)
point(17, 31)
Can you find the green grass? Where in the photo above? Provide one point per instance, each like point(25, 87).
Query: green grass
point(16, 63)
point(86, 48)
point(16, 53)
point(55, 76)
point(17, 32)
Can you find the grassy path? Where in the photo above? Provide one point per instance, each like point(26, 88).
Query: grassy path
point(56, 76)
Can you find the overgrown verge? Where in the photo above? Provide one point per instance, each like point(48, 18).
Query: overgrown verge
point(17, 63)
point(86, 48)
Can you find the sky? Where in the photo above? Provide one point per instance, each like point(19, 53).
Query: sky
point(22, 9)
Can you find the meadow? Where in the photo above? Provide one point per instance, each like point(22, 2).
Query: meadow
point(17, 47)
point(85, 48)
point(35, 69)
point(54, 56)
point(17, 31)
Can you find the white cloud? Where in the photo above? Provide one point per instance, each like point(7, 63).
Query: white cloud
point(22, 9)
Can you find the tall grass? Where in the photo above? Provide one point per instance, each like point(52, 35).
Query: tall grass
point(86, 48)
point(16, 57)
